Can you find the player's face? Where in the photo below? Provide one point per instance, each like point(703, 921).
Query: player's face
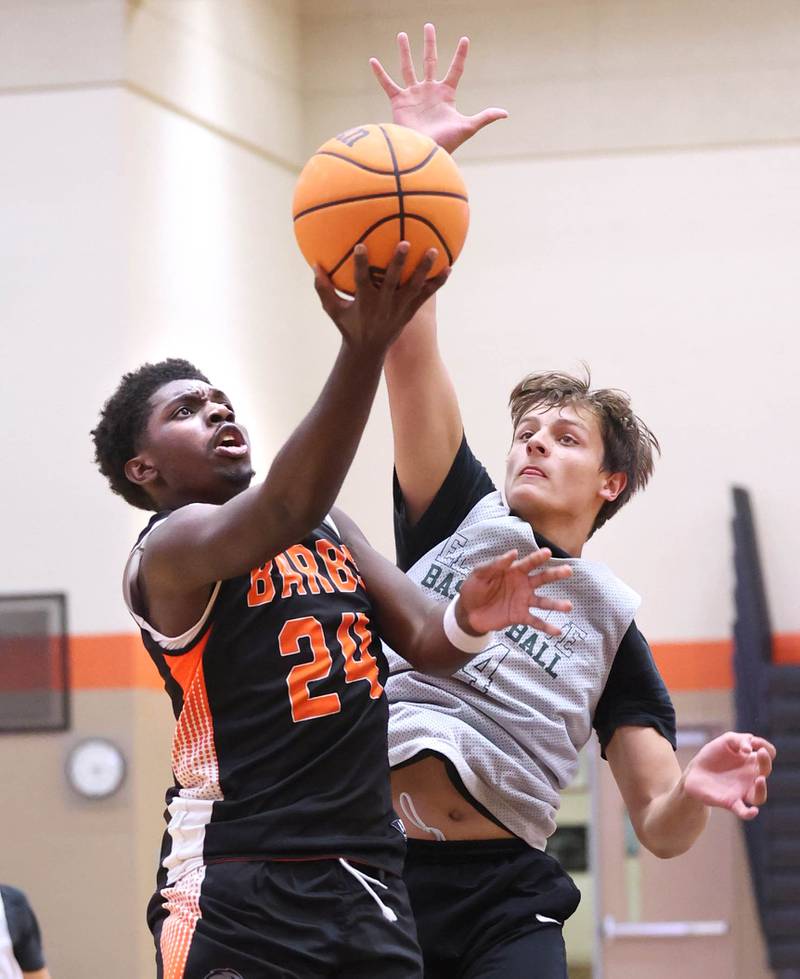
point(554, 469)
point(192, 450)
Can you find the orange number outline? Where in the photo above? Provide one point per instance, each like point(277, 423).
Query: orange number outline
point(306, 705)
point(359, 663)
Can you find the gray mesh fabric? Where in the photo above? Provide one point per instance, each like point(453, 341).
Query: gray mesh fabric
point(512, 720)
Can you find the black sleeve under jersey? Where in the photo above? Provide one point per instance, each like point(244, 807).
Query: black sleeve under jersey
point(23, 929)
point(465, 484)
point(634, 693)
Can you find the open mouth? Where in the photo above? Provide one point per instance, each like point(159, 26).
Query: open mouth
point(230, 442)
point(533, 471)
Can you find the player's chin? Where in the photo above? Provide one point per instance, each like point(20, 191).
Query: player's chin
point(525, 499)
point(238, 475)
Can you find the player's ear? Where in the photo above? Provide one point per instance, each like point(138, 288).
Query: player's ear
point(613, 485)
point(140, 471)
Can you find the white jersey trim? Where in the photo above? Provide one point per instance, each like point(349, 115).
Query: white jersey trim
point(129, 589)
point(187, 829)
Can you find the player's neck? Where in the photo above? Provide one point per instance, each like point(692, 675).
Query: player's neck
point(563, 531)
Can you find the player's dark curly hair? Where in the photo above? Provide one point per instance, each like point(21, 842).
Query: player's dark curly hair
point(124, 418)
point(628, 442)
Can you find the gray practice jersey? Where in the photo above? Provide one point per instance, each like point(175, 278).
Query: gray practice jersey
point(514, 718)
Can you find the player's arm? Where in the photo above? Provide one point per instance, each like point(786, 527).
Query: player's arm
point(425, 413)
point(426, 417)
point(669, 807)
point(203, 543)
point(495, 595)
point(39, 974)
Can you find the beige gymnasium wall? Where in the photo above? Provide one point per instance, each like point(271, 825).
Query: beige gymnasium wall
point(149, 152)
point(640, 210)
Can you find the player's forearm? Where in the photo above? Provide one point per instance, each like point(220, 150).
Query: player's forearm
point(430, 651)
point(425, 414)
point(307, 473)
point(409, 621)
point(670, 824)
point(417, 341)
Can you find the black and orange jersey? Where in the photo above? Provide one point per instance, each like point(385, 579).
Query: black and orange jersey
point(280, 748)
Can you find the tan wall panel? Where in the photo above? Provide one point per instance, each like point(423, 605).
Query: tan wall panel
point(577, 77)
point(60, 43)
point(65, 323)
point(89, 866)
point(218, 62)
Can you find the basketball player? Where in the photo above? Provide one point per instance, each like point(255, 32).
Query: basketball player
point(479, 758)
point(20, 942)
point(282, 854)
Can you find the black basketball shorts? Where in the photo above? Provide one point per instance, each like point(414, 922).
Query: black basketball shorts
point(310, 919)
point(489, 909)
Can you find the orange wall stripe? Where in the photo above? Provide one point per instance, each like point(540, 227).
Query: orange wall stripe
point(120, 660)
point(695, 665)
point(106, 662)
point(786, 649)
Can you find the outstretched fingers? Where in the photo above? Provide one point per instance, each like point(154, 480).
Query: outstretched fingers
point(361, 268)
point(406, 60)
point(549, 604)
point(394, 269)
point(422, 271)
point(548, 628)
point(481, 119)
point(497, 565)
point(385, 80)
point(419, 288)
point(456, 69)
point(429, 288)
point(331, 302)
point(536, 559)
point(430, 59)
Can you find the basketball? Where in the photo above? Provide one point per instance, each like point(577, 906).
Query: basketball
point(379, 184)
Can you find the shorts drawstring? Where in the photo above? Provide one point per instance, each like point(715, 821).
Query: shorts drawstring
point(411, 814)
point(365, 880)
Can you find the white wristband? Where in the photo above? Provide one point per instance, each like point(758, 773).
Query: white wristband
point(460, 639)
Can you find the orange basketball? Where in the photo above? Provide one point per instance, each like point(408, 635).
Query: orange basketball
point(379, 184)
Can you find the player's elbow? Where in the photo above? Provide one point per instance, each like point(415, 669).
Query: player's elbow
point(666, 849)
point(667, 842)
point(440, 662)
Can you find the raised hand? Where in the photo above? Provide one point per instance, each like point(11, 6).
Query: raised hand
point(375, 317)
point(502, 592)
point(731, 772)
point(429, 106)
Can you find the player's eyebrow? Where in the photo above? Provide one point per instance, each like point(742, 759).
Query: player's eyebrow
point(533, 418)
point(199, 394)
point(192, 395)
point(219, 396)
point(575, 422)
